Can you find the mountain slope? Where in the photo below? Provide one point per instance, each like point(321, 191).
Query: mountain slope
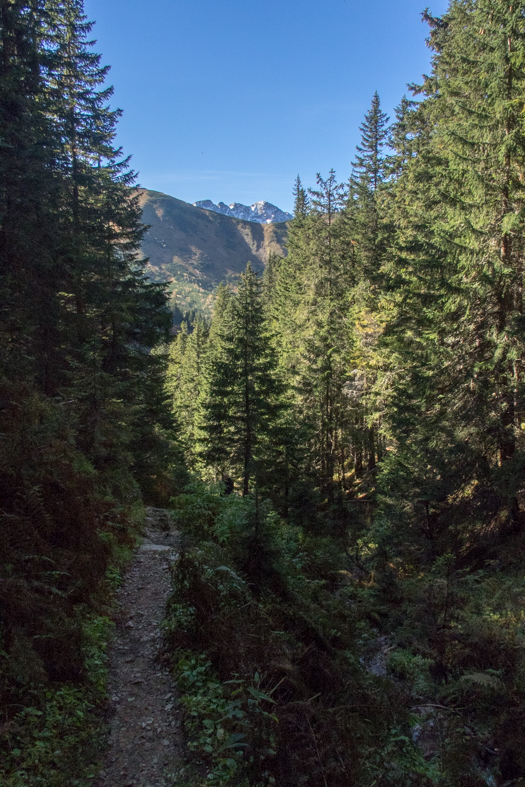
point(195, 249)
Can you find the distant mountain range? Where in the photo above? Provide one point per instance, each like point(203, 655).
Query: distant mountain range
point(195, 248)
point(261, 212)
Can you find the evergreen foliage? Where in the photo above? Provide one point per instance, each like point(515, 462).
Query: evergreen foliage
point(84, 419)
point(350, 612)
point(189, 356)
point(241, 402)
point(396, 326)
point(457, 274)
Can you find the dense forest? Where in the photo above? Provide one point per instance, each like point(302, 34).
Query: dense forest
point(86, 428)
point(342, 446)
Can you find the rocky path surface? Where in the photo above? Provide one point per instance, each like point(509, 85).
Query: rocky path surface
point(145, 742)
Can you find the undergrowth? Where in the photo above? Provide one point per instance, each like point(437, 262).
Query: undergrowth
point(306, 660)
point(266, 644)
point(457, 646)
point(53, 740)
point(51, 730)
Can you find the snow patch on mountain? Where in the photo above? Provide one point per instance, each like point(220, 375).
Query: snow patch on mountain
point(261, 212)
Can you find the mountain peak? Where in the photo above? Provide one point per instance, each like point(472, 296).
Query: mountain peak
point(261, 212)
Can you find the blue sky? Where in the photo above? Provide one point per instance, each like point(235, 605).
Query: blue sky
point(232, 99)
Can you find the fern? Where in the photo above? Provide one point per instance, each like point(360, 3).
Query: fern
point(484, 679)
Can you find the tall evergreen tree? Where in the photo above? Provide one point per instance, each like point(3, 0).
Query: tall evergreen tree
point(189, 385)
point(367, 226)
point(367, 180)
point(458, 269)
point(270, 277)
point(81, 405)
point(242, 399)
point(319, 261)
point(116, 314)
point(29, 218)
point(301, 202)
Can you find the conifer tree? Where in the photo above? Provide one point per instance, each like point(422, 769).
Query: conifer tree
point(176, 351)
point(368, 167)
point(368, 178)
point(242, 397)
point(285, 308)
point(28, 217)
point(327, 348)
point(368, 230)
point(83, 415)
point(270, 277)
point(210, 449)
point(189, 385)
point(301, 203)
point(319, 259)
point(457, 270)
point(117, 314)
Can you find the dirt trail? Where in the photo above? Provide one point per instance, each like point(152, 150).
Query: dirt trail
point(144, 743)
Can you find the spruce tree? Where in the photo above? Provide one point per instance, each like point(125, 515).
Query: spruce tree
point(189, 385)
point(83, 414)
point(270, 277)
point(242, 397)
point(322, 368)
point(30, 274)
point(301, 202)
point(114, 315)
point(176, 351)
point(367, 227)
point(456, 277)
point(367, 180)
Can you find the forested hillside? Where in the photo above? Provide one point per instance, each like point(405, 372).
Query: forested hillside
point(359, 597)
point(194, 250)
point(342, 446)
point(85, 427)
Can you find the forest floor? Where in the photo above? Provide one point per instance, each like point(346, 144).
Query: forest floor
point(145, 744)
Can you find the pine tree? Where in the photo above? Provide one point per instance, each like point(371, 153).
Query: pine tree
point(457, 278)
point(189, 385)
point(301, 202)
point(326, 338)
point(242, 397)
point(367, 180)
point(368, 229)
point(83, 413)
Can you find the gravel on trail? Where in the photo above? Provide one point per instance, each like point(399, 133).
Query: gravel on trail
point(145, 743)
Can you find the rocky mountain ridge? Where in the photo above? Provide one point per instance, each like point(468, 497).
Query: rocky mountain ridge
point(260, 212)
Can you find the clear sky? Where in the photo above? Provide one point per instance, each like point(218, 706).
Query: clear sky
point(232, 99)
